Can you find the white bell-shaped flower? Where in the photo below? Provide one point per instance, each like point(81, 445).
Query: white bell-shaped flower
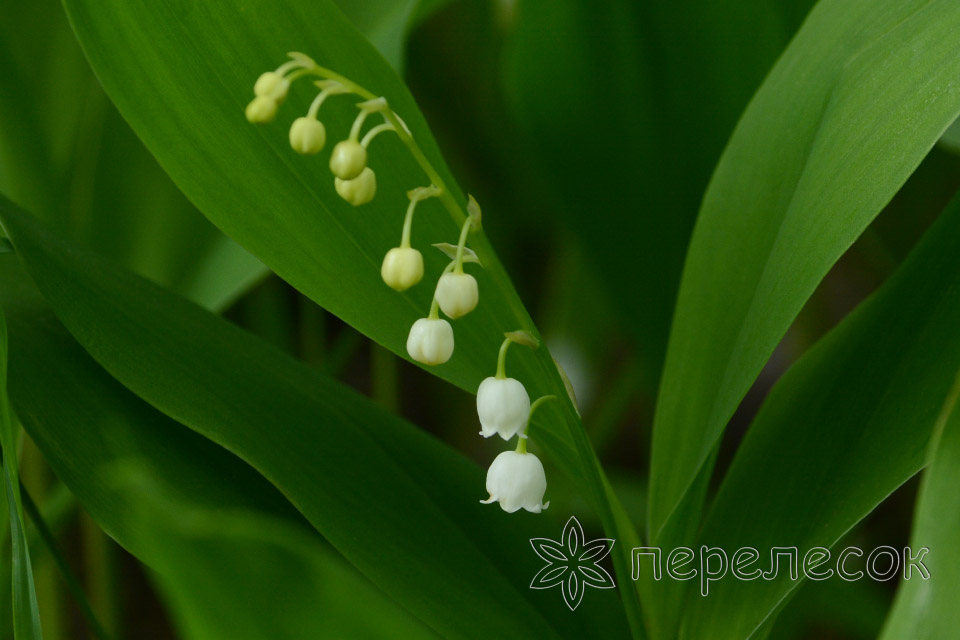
point(261, 109)
point(307, 135)
point(457, 294)
point(503, 406)
point(517, 481)
point(430, 341)
point(360, 190)
point(402, 268)
point(348, 159)
point(272, 85)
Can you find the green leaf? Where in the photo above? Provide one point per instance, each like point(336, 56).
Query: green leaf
point(50, 545)
point(216, 564)
point(57, 385)
point(283, 208)
point(368, 482)
point(851, 108)
point(926, 608)
point(384, 23)
point(843, 428)
point(26, 614)
point(85, 170)
point(628, 106)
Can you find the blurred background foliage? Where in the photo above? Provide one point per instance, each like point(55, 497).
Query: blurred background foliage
point(592, 127)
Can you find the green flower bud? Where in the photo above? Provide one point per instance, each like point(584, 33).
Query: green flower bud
point(360, 190)
point(348, 159)
point(402, 268)
point(307, 135)
point(261, 109)
point(271, 85)
point(430, 341)
point(457, 294)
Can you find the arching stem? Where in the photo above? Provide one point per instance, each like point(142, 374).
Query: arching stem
point(416, 195)
point(522, 440)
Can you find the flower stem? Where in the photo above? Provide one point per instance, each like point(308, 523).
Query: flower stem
point(522, 440)
point(461, 244)
point(446, 197)
point(333, 89)
point(358, 124)
point(373, 133)
point(408, 224)
point(502, 359)
point(416, 195)
point(287, 66)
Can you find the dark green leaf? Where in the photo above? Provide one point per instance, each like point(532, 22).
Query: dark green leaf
point(238, 575)
point(26, 615)
point(926, 609)
point(66, 153)
point(182, 73)
point(628, 105)
point(368, 482)
point(846, 426)
point(851, 108)
point(57, 386)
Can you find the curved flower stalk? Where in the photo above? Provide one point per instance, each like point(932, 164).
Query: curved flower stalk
point(516, 479)
point(300, 65)
point(457, 293)
point(403, 266)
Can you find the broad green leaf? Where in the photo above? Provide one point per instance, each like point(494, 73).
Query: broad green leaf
point(851, 108)
point(26, 615)
point(843, 428)
point(851, 610)
point(22, 164)
point(80, 166)
point(57, 385)
point(628, 106)
point(136, 215)
point(181, 78)
point(387, 496)
point(216, 564)
point(927, 608)
point(385, 24)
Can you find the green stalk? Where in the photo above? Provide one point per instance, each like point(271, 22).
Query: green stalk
point(73, 584)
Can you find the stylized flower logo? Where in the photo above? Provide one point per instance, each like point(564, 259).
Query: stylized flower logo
point(572, 563)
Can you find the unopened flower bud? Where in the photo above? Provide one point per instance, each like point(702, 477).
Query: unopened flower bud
point(503, 406)
point(430, 341)
point(271, 85)
point(348, 159)
point(307, 135)
point(360, 190)
point(261, 109)
point(457, 294)
point(402, 268)
point(517, 481)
